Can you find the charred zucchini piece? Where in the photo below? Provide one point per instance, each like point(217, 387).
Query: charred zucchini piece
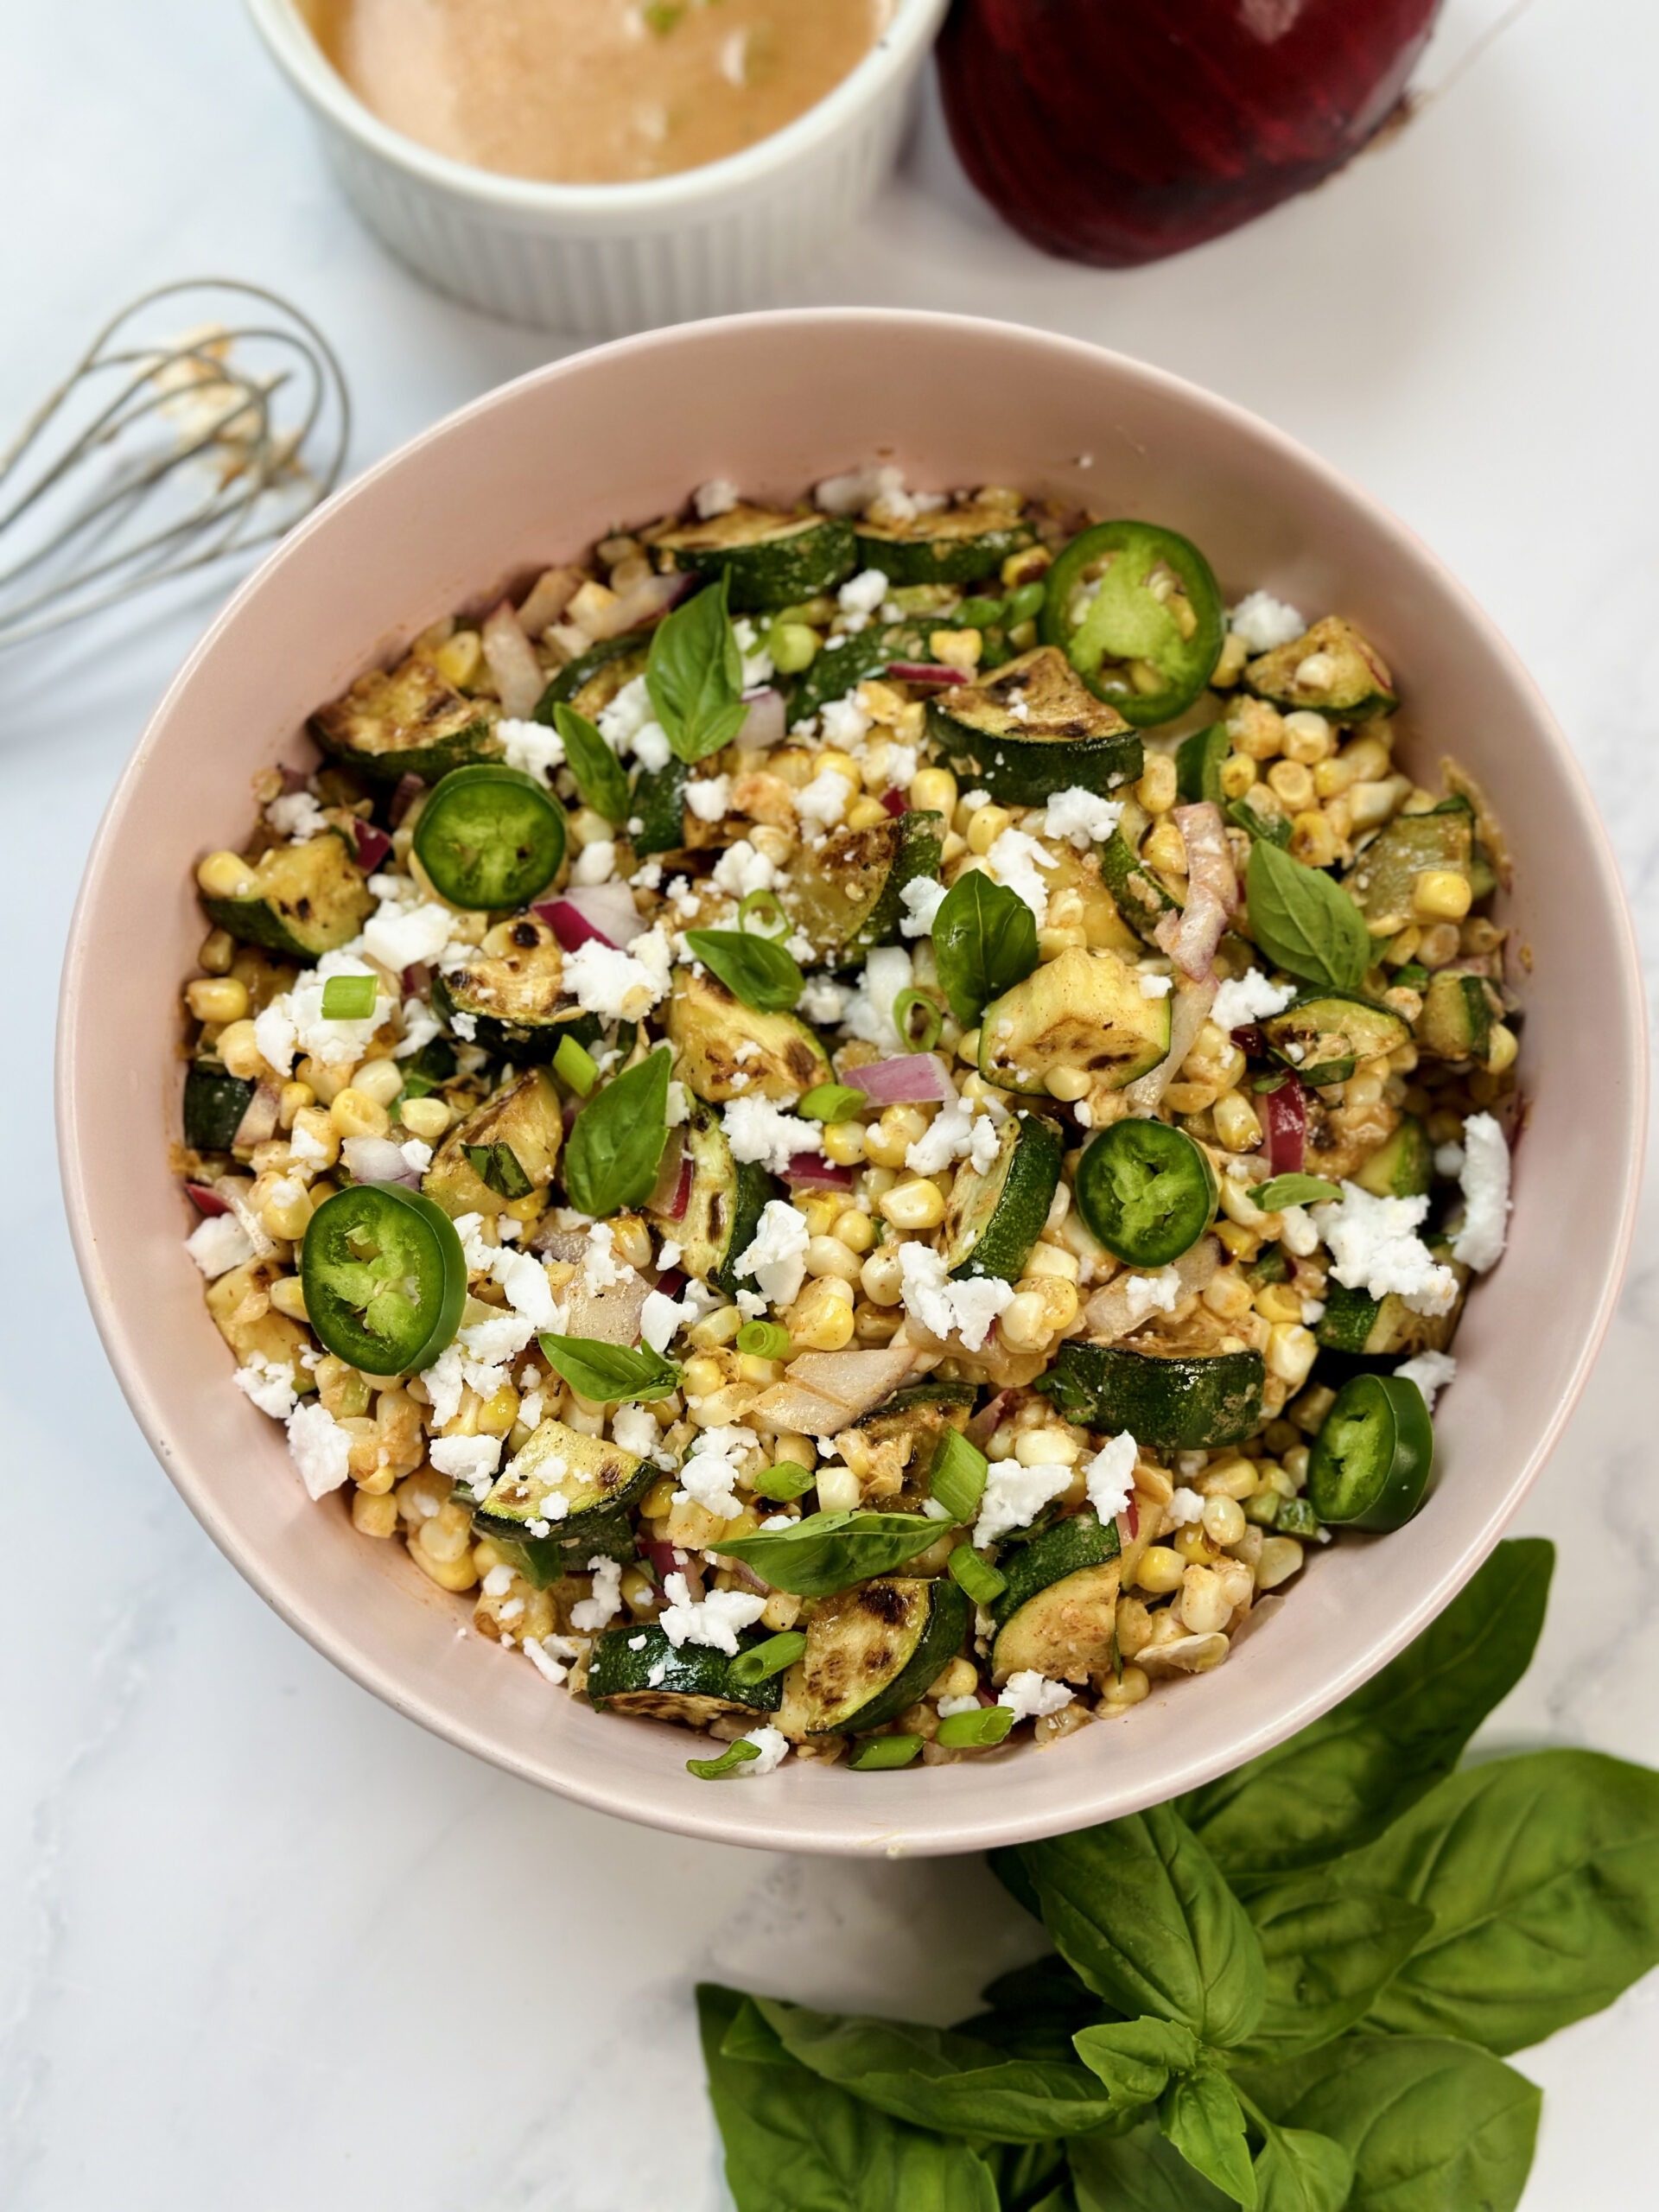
point(1402, 1166)
point(955, 546)
point(1386, 1328)
point(897, 1441)
point(727, 1050)
point(1086, 1011)
point(772, 559)
point(659, 808)
point(1058, 1612)
point(1141, 899)
point(843, 663)
point(527, 1119)
point(1324, 1035)
point(1456, 1022)
point(591, 681)
point(724, 1207)
point(1174, 1404)
point(407, 720)
point(638, 1670)
point(997, 1214)
point(542, 1560)
point(215, 1103)
point(512, 988)
point(1382, 879)
point(1334, 668)
point(300, 900)
point(1033, 728)
point(847, 895)
point(575, 1484)
point(872, 1650)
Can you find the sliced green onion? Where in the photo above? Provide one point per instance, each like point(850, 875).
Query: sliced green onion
point(976, 1576)
point(764, 1339)
point(574, 1064)
point(978, 614)
point(793, 646)
point(349, 998)
point(761, 911)
point(879, 1754)
point(957, 1480)
point(789, 1478)
point(762, 1661)
point(932, 1026)
point(1025, 603)
point(987, 1724)
point(734, 1755)
point(832, 1101)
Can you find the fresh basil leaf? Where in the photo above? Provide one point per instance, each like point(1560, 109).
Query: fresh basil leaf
point(1202, 2118)
point(1024, 2170)
point(1035, 2010)
point(615, 1147)
point(1431, 2125)
point(601, 780)
point(1297, 2171)
point(1138, 2172)
point(1339, 1782)
point(935, 2077)
point(1139, 1907)
point(1281, 1191)
point(1244, 814)
point(1331, 1949)
point(695, 675)
point(750, 2039)
point(795, 2143)
point(754, 968)
point(1304, 922)
point(1136, 2058)
point(1541, 1872)
point(827, 1552)
point(610, 1373)
point(984, 943)
point(1010, 1869)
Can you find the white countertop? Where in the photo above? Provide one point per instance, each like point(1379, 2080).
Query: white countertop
point(248, 1951)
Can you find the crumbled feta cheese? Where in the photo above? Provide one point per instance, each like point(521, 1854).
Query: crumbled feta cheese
point(1249, 997)
point(551, 1669)
point(469, 1459)
point(497, 1581)
point(714, 1621)
point(678, 1110)
point(218, 1244)
point(297, 817)
point(1015, 861)
point(267, 1382)
point(1297, 1232)
point(777, 1256)
point(975, 798)
point(758, 666)
point(859, 596)
point(1184, 1509)
point(1431, 1372)
point(1485, 1176)
point(855, 493)
point(614, 985)
point(295, 1021)
point(717, 496)
point(757, 1129)
point(709, 1473)
point(772, 1748)
point(944, 1307)
point(629, 724)
point(595, 863)
point(843, 722)
point(1313, 1312)
point(635, 1429)
point(319, 1447)
point(825, 799)
point(825, 1001)
point(1110, 1476)
point(955, 1132)
point(1265, 622)
point(888, 971)
point(1031, 1697)
point(1156, 1293)
point(948, 1708)
point(661, 1316)
point(523, 1278)
point(1084, 818)
point(599, 1270)
point(402, 933)
point(1374, 1248)
point(1014, 1496)
point(741, 869)
point(599, 1609)
point(921, 898)
point(710, 798)
point(1155, 985)
point(534, 748)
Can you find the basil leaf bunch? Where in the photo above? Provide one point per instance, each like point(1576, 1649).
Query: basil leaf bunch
point(609, 1374)
point(695, 675)
point(1291, 1991)
point(616, 1144)
point(600, 779)
point(1304, 922)
point(754, 968)
point(984, 943)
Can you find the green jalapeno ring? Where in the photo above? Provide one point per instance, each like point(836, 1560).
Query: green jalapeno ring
point(385, 1278)
point(490, 837)
point(1147, 1191)
point(1125, 622)
point(1372, 1459)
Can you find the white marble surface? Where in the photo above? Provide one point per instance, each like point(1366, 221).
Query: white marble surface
point(237, 1963)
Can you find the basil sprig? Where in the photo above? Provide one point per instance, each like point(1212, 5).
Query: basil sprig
point(695, 675)
point(616, 1146)
point(602, 781)
point(984, 943)
point(609, 1374)
point(827, 1552)
point(754, 968)
point(1291, 1991)
point(1281, 1191)
point(1304, 922)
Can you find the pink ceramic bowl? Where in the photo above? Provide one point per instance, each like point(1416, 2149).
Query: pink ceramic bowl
point(525, 478)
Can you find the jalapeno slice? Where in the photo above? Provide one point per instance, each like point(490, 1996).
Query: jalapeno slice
point(1370, 1462)
point(384, 1277)
point(490, 837)
point(1147, 1191)
point(1137, 611)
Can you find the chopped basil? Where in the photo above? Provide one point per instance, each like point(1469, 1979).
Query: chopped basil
point(695, 675)
point(1304, 922)
point(1281, 1191)
point(616, 1146)
point(609, 1374)
point(754, 968)
point(602, 781)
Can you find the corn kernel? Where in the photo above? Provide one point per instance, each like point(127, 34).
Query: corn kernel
point(1193, 1547)
point(1257, 729)
point(880, 1276)
point(866, 814)
point(1224, 1521)
point(886, 1143)
point(319, 1130)
point(1165, 850)
point(224, 875)
point(828, 1256)
point(1290, 1352)
point(1228, 1295)
point(1313, 839)
point(912, 1205)
point(856, 1230)
point(288, 1297)
point(957, 648)
point(839, 1489)
point(213, 998)
point(1129, 1689)
point(1293, 784)
point(356, 1114)
point(380, 1080)
point(455, 1575)
point(1024, 1325)
point(985, 825)
point(218, 952)
point(933, 790)
point(1053, 1260)
point(1371, 803)
point(425, 1118)
point(1159, 1570)
point(1237, 775)
point(1046, 1448)
point(819, 1212)
point(1439, 895)
point(1278, 1560)
point(1436, 947)
point(374, 1515)
point(1237, 1122)
point(1308, 738)
point(238, 1052)
point(1202, 1603)
point(1068, 1084)
point(1157, 788)
point(1502, 1048)
point(844, 1143)
point(821, 1321)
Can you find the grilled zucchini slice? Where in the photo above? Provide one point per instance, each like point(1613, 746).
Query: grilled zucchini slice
point(1033, 728)
point(996, 1215)
point(303, 901)
point(407, 720)
point(872, 1651)
point(772, 559)
point(527, 1118)
point(1175, 1404)
point(1324, 1035)
point(723, 1208)
point(1085, 1010)
point(727, 1050)
point(512, 988)
point(1382, 879)
point(585, 1481)
point(956, 545)
point(1059, 1613)
point(1334, 668)
point(846, 895)
point(591, 681)
point(638, 1670)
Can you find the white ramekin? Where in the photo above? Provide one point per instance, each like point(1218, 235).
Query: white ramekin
point(609, 258)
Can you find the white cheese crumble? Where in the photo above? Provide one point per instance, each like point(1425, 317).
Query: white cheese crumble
point(772, 1748)
point(1110, 1476)
point(1431, 1372)
point(757, 1129)
point(295, 1021)
point(1014, 1496)
point(595, 863)
point(843, 722)
point(1156, 1293)
point(635, 1429)
point(661, 1316)
point(948, 1707)
point(1264, 622)
point(599, 1270)
point(598, 1611)
point(1031, 1696)
point(966, 1308)
point(741, 869)
point(402, 932)
point(629, 724)
point(1155, 985)
point(921, 898)
point(710, 798)
point(825, 1001)
point(1297, 1232)
point(1184, 1509)
point(758, 666)
point(709, 1473)
point(1484, 1175)
point(469, 1459)
point(533, 748)
point(856, 491)
point(859, 596)
point(1084, 818)
point(777, 1256)
point(955, 1132)
point(714, 1620)
point(297, 817)
point(825, 799)
point(218, 1244)
point(886, 973)
point(1374, 1248)
point(269, 1383)
point(319, 1447)
point(717, 496)
point(1249, 997)
point(1015, 861)
point(616, 986)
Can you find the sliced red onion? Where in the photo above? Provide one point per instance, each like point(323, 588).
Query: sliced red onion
point(895, 802)
point(376, 1159)
point(295, 779)
point(1192, 1002)
point(912, 1079)
point(547, 599)
point(416, 979)
point(1251, 1041)
point(511, 658)
point(641, 605)
point(671, 1193)
point(1284, 1112)
point(982, 1427)
point(259, 1121)
point(1191, 937)
point(764, 723)
point(669, 1559)
point(746, 1578)
point(605, 911)
point(924, 672)
point(372, 846)
point(671, 1281)
point(1130, 1518)
point(205, 1199)
point(406, 790)
point(807, 1167)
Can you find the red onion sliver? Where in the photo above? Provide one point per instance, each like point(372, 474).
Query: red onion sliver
point(807, 1167)
point(764, 725)
point(406, 789)
point(259, 1121)
point(372, 846)
point(605, 911)
point(895, 802)
point(1251, 1041)
point(671, 1281)
point(912, 1079)
point(568, 923)
point(1191, 937)
point(983, 1424)
point(205, 1199)
point(1130, 1517)
point(1285, 1112)
point(416, 979)
point(924, 672)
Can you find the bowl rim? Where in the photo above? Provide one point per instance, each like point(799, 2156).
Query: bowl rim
point(914, 27)
point(619, 1794)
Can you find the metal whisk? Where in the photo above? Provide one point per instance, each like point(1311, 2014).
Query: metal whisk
point(207, 418)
